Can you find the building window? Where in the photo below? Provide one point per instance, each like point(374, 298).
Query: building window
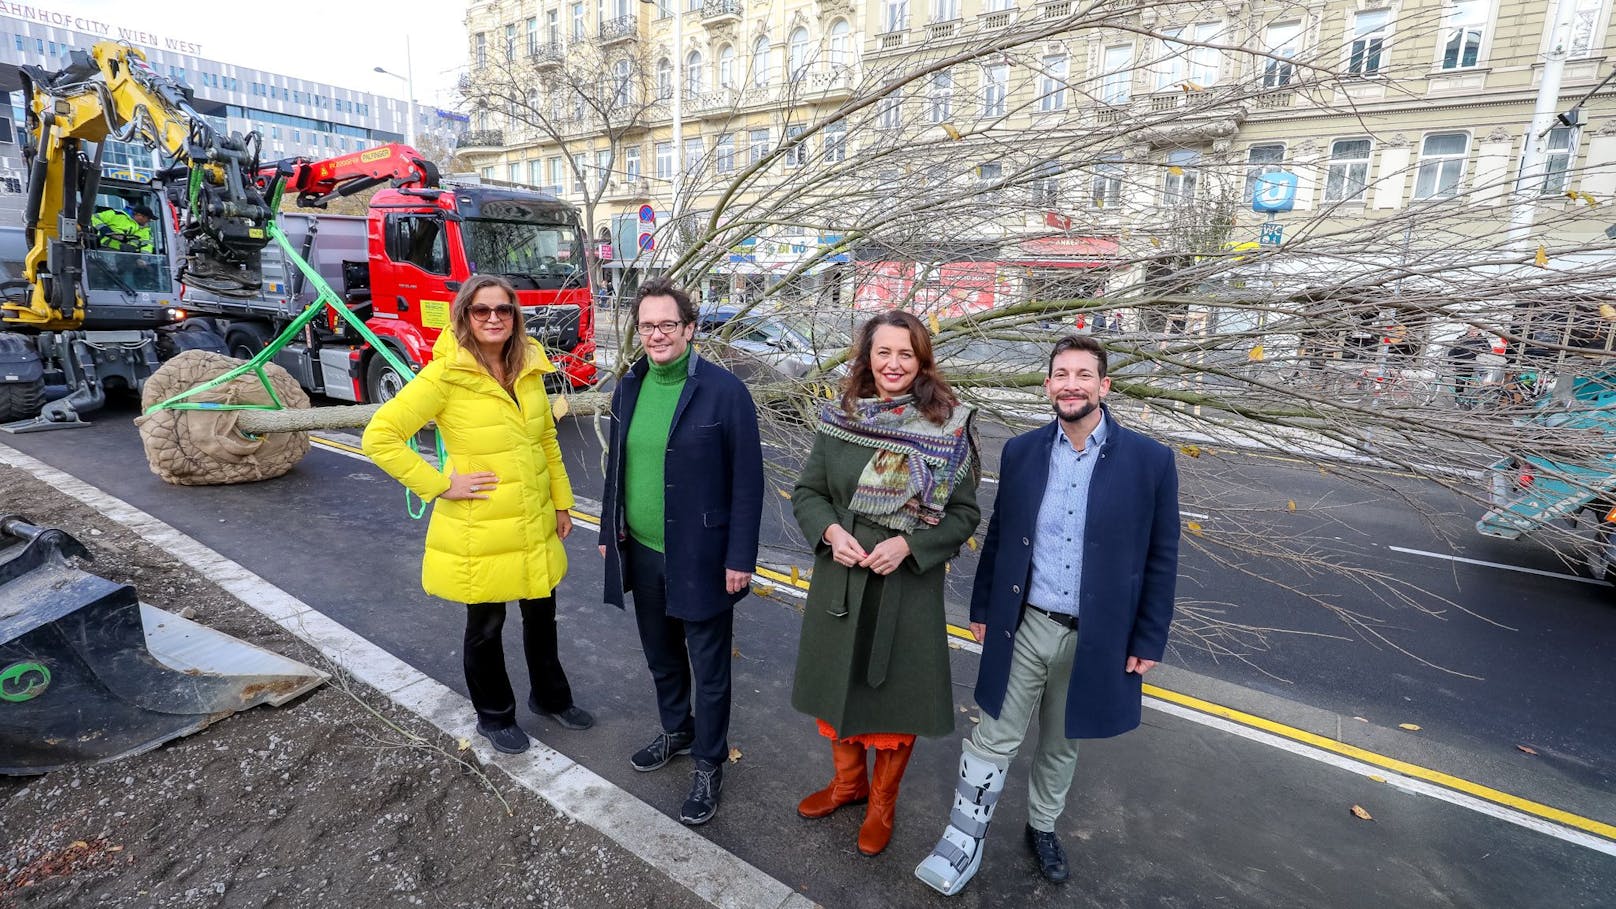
point(896, 16)
point(1283, 40)
point(1348, 173)
point(578, 22)
point(1557, 156)
point(552, 27)
point(1464, 23)
point(757, 145)
point(796, 154)
point(510, 46)
point(995, 89)
point(631, 163)
point(990, 172)
point(724, 154)
point(835, 141)
point(535, 173)
point(726, 67)
point(481, 44)
point(664, 161)
point(1052, 84)
point(1205, 62)
point(797, 53)
point(760, 61)
point(695, 79)
point(942, 96)
point(1178, 184)
point(1045, 185)
point(1369, 33)
point(664, 79)
point(1116, 84)
point(557, 176)
point(1260, 160)
point(945, 10)
point(889, 110)
point(1107, 183)
point(841, 43)
point(578, 181)
point(1170, 68)
point(1442, 163)
point(695, 156)
point(1585, 19)
point(513, 172)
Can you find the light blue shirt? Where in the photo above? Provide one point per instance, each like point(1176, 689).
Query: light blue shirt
point(1057, 550)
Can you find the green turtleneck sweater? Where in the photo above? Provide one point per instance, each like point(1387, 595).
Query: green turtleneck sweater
point(646, 451)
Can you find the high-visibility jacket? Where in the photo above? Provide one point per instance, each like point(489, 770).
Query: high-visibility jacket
point(116, 230)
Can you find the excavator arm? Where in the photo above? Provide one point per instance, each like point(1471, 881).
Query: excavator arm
point(111, 92)
point(318, 182)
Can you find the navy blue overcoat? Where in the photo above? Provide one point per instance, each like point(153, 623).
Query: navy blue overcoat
point(713, 502)
point(1130, 569)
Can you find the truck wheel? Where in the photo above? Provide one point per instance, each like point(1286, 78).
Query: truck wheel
point(21, 400)
point(382, 381)
point(245, 339)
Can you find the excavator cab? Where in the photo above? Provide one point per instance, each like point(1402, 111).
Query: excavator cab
point(129, 253)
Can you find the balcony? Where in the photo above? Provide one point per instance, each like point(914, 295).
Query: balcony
point(552, 53)
point(942, 31)
point(481, 138)
point(1059, 9)
point(720, 12)
point(1163, 103)
point(628, 189)
point(995, 20)
point(619, 30)
point(838, 80)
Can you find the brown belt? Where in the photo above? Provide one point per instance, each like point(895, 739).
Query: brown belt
point(1070, 621)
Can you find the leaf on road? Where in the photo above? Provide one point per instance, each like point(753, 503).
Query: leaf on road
point(1378, 779)
point(762, 588)
point(735, 653)
point(1193, 527)
point(976, 719)
point(1359, 812)
point(463, 744)
point(1527, 749)
point(1290, 504)
point(1193, 451)
point(1360, 719)
point(734, 755)
point(971, 542)
point(796, 574)
point(785, 493)
point(1411, 727)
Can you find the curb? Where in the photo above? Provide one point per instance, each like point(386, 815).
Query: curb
point(708, 871)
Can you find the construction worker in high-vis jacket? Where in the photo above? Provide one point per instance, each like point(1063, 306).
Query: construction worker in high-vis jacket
point(125, 232)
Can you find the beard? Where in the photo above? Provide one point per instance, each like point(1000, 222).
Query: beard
point(1074, 411)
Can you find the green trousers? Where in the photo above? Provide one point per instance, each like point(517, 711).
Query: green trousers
point(1040, 670)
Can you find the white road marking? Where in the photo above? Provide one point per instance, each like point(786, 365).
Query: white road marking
point(704, 868)
point(1392, 778)
point(1196, 515)
point(1537, 571)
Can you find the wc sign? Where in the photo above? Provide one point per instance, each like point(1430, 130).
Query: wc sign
point(1274, 192)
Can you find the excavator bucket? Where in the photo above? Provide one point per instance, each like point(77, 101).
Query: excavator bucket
point(88, 673)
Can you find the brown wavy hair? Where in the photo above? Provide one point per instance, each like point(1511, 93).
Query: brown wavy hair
point(933, 395)
point(513, 356)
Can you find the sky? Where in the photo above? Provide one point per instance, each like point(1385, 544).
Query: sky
point(340, 46)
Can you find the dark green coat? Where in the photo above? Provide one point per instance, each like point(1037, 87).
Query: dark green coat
point(855, 671)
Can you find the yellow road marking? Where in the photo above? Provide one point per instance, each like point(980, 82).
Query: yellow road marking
point(332, 443)
point(1538, 809)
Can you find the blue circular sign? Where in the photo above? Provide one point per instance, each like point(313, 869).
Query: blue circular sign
point(647, 213)
point(647, 242)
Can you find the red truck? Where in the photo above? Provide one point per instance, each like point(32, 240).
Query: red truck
point(400, 265)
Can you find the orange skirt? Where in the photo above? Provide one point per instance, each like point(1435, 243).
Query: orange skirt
point(881, 741)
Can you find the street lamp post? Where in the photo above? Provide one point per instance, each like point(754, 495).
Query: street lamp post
point(409, 87)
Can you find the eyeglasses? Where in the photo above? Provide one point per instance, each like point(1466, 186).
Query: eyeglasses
point(647, 329)
point(482, 312)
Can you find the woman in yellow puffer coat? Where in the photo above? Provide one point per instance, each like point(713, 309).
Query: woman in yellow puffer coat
point(499, 512)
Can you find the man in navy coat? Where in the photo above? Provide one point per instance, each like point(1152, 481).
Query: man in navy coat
point(1072, 603)
point(679, 528)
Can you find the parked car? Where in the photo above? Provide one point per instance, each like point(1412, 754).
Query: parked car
point(764, 346)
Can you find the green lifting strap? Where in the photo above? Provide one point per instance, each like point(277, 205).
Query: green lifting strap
point(325, 297)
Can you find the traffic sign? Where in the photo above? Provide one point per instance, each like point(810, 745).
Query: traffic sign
point(1273, 233)
point(647, 214)
point(1274, 192)
point(647, 242)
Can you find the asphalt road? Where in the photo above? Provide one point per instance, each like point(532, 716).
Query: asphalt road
point(1178, 813)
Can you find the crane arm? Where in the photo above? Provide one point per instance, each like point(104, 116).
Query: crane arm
point(318, 182)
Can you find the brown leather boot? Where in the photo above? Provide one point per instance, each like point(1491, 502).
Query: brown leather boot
point(850, 786)
point(877, 830)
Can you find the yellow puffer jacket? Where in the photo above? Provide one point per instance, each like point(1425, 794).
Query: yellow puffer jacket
point(490, 550)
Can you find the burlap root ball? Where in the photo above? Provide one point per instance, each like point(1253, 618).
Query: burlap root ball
point(203, 447)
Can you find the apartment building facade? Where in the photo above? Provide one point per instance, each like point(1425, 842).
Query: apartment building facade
point(1112, 124)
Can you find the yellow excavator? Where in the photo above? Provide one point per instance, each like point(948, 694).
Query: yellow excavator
point(88, 311)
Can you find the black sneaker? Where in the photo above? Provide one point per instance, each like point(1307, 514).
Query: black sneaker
point(573, 717)
point(1046, 848)
point(507, 739)
point(662, 749)
point(706, 781)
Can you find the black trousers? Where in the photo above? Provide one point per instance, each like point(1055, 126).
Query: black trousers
point(689, 661)
point(484, 656)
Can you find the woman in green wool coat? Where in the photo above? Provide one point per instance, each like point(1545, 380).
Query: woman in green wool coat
point(887, 497)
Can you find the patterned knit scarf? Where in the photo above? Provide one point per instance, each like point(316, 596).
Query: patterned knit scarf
point(916, 463)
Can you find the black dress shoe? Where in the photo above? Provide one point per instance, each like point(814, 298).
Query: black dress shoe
point(1046, 848)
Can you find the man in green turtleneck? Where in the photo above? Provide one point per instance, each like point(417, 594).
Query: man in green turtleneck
point(679, 530)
